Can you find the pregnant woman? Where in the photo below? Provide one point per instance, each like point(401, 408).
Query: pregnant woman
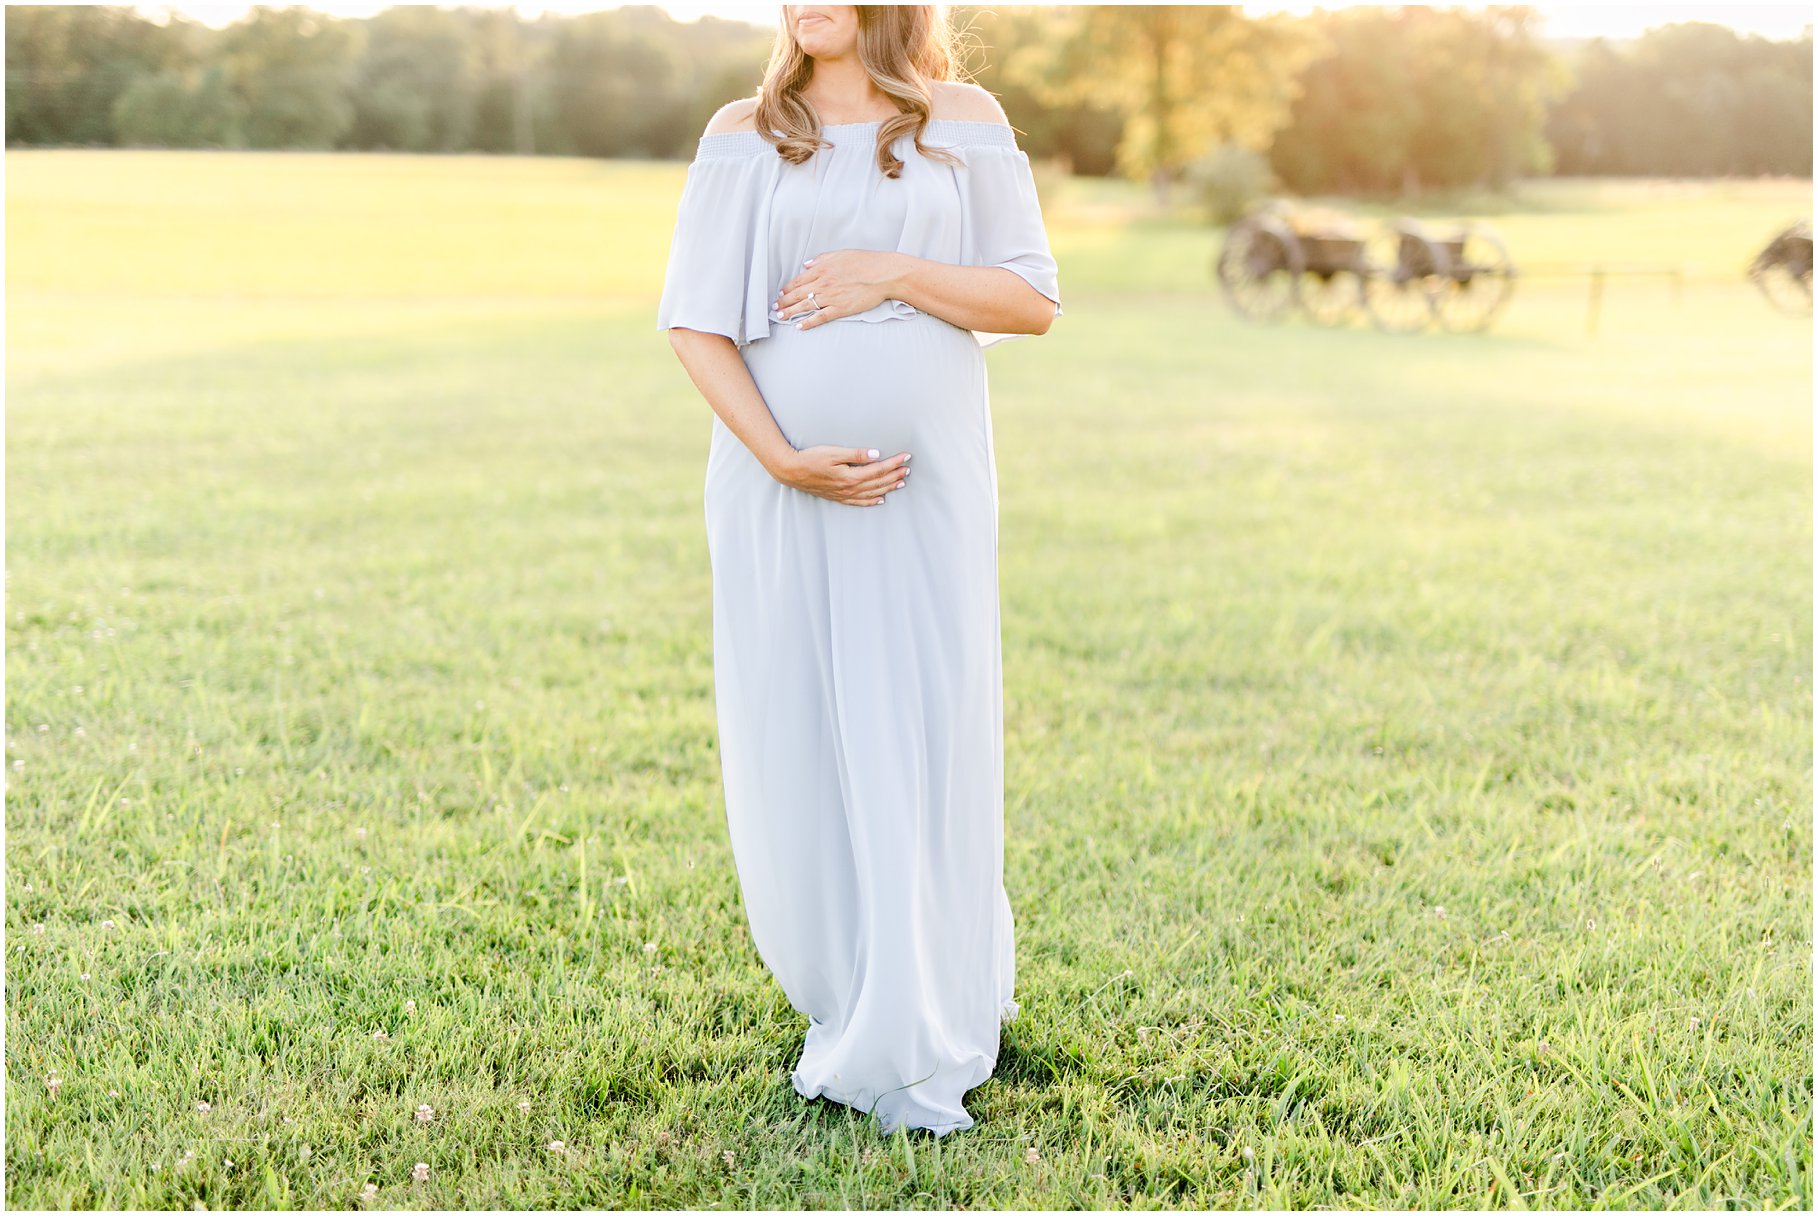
point(847, 244)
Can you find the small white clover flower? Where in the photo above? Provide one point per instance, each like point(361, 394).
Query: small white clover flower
point(1031, 1155)
point(556, 1146)
point(420, 1172)
point(53, 1083)
point(379, 1036)
point(524, 1107)
point(649, 947)
point(202, 1108)
point(425, 1113)
point(369, 1191)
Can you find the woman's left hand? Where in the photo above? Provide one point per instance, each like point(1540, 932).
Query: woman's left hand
point(845, 282)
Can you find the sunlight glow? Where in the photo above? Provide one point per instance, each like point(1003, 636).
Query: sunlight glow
point(1615, 21)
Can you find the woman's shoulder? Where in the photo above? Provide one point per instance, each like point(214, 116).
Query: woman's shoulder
point(968, 115)
point(960, 101)
point(732, 132)
point(739, 114)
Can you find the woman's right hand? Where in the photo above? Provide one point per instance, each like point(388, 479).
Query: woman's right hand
point(850, 475)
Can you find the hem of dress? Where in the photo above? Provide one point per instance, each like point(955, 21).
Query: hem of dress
point(917, 1118)
point(1008, 1009)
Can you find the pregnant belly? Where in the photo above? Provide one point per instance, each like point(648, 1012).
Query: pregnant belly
point(911, 383)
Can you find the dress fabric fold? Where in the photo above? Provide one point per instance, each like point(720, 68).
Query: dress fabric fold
point(858, 676)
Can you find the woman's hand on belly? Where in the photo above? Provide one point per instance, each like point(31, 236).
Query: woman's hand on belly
point(854, 476)
point(845, 282)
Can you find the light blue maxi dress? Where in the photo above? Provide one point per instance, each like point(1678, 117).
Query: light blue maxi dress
point(858, 671)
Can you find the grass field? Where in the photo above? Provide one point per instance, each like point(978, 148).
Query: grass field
point(1408, 737)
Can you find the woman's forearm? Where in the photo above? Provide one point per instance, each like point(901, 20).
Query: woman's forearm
point(993, 299)
point(713, 363)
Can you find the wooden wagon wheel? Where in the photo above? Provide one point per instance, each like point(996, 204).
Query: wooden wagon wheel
point(1783, 271)
point(1260, 266)
point(1332, 288)
point(1479, 282)
point(1405, 265)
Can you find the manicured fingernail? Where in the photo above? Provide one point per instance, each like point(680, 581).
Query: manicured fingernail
point(899, 485)
point(907, 458)
point(871, 453)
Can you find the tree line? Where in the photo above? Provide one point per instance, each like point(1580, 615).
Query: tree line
point(1369, 99)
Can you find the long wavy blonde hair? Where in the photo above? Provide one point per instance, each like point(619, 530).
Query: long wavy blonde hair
point(906, 49)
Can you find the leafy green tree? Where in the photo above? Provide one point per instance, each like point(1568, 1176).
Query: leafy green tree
point(168, 109)
point(1011, 52)
point(417, 84)
point(618, 83)
point(1688, 98)
point(293, 69)
point(508, 106)
point(67, 64)
point(1183, 78)
point(1409, 97)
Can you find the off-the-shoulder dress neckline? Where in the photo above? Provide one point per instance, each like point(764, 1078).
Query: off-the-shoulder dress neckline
point(964, 130)
point(982, 122)
point(958, 122)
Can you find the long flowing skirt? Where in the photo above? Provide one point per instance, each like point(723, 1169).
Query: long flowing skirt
point(858, 682)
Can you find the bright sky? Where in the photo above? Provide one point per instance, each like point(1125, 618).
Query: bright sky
point(1566, 20)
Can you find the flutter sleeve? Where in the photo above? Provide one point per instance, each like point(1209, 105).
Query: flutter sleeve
point(1001, 221)
point(718, 275)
